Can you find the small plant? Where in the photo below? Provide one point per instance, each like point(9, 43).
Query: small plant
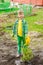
point(27, 53)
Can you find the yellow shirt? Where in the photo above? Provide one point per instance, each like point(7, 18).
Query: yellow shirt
point(20, 28)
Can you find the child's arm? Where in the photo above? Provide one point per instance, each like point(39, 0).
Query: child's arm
point(15, 28)
point(26, 28)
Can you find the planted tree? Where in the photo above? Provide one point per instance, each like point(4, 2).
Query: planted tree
point(27, 51)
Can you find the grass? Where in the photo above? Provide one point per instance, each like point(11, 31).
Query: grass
point(31, 22)
point(32, 19)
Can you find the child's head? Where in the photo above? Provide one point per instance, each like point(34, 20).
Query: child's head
point(20, 14)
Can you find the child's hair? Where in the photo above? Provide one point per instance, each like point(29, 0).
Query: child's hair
point(20, 12)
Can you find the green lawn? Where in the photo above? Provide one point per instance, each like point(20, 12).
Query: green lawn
point(31, 22)
point(32, 19)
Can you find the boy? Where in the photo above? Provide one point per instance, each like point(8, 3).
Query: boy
point(20, 30)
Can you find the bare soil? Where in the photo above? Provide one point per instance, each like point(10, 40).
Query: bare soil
point(8, 50)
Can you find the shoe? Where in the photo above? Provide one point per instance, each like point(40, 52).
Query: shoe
point(18, 55)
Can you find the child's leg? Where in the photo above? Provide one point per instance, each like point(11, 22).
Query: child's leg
point(19, 44)
point(23, 41)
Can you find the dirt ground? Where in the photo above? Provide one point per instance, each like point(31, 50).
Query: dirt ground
point(8, 49)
